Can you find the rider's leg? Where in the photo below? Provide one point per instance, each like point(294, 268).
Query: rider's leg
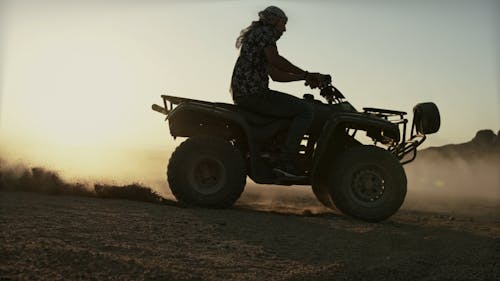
point(281, 105)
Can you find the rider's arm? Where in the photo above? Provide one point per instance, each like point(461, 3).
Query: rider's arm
point(276, 60)
point(281, 76)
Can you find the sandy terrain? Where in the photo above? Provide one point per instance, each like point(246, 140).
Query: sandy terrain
point(64, 237)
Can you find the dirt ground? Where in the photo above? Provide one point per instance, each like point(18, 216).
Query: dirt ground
point(69, 238)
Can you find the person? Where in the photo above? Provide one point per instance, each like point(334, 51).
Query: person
point(259, 58)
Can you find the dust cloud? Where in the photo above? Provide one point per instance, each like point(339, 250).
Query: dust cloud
point(18, 177)
point(454, 179)
point(89, 165)
point(459, 178)
point(298, 200)
point(456, 185)
point(435, 184)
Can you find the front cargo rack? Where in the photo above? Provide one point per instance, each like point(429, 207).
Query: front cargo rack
point(407, 145)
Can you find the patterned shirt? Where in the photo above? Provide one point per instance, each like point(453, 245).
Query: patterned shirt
point(250, 74)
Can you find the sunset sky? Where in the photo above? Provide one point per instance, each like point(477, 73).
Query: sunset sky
point(82, 75)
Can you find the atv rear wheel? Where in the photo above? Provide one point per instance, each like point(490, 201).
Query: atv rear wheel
point(206, 171)
point(322, 194)
point(368, 183)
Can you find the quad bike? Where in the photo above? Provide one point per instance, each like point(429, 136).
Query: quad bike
point(226, 143)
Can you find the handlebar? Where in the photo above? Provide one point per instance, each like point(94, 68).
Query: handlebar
point(331, 94)
point(328, 91)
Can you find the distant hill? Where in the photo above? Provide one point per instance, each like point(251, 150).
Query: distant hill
point(485, 145)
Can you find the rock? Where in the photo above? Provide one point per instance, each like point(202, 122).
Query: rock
point(485, 137)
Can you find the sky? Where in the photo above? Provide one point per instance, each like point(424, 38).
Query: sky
point(77, 78)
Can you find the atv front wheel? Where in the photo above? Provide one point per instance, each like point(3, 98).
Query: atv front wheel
point(206, 171)
point(368, 183)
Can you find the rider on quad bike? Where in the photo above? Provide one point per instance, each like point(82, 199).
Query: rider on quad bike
point(259, 59)
point(275, 138)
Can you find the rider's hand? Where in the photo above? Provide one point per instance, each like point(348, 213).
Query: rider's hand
point(313, 80)
point(324, 80)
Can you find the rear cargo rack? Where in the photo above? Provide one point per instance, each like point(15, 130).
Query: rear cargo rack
point(170, 101)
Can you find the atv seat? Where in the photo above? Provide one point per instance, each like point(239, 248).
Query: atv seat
point(252, 118)
point(262, 126)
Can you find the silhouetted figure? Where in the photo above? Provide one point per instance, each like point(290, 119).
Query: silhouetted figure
point(259, 59)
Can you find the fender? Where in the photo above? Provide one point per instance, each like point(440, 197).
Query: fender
point(334, 135)
point(193, 118)
point(200, 118)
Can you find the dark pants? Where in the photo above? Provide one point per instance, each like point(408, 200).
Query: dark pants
point(281, 105)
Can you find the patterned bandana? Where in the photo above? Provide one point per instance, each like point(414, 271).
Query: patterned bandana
point(271, 11)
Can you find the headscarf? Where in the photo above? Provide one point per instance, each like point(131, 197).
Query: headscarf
point(265, 17)
point(271, 12)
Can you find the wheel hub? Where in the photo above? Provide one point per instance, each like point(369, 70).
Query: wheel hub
point(208, 175)
point(367, 185)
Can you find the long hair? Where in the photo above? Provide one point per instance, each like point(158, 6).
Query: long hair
point(266, 16)
point(244, 32)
